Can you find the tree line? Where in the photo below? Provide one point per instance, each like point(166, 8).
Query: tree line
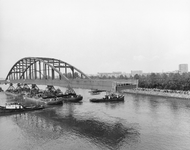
point(171, 81)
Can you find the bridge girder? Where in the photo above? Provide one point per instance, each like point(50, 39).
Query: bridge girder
point(39, 70)
point(40, 67)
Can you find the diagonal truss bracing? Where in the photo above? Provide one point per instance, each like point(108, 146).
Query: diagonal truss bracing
point(44, 68)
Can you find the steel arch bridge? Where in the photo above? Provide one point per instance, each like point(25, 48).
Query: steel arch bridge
point(44, 68)
point(51, 71)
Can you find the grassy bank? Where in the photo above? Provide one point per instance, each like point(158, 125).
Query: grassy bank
point(157, 92)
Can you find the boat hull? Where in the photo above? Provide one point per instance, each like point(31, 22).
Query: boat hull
point(57, 100)
point(99, 100)
point(47, 101)
point(54, 101)
point(3, 110)
point(72, 99)
point(12, 94)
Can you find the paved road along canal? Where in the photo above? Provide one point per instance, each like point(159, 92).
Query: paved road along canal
point(140, 123)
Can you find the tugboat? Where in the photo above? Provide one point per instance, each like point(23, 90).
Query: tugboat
point(109, 98)
point(15, 107)
point(71, 96)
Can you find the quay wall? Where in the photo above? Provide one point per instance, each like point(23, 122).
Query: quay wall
point(158, 93)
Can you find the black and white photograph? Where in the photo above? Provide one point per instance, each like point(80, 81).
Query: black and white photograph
point(94, 75)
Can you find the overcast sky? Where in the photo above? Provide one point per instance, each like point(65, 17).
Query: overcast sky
point(97, 35)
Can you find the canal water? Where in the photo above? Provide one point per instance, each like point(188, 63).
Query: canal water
point(139, 123)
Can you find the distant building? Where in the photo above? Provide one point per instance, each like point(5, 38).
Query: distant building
point(134, 72)
point(183, 68)
point(175, 71)
point(112, 74)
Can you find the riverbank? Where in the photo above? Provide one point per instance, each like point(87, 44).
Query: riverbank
point(158, 92)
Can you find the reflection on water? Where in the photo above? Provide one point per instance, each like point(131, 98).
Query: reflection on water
point(54, 124)
point(141, 122)
point(114, 105)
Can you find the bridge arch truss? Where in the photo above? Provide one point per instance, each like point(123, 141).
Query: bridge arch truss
point(44, 68)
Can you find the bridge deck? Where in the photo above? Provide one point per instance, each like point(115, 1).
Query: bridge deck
point(102, 84)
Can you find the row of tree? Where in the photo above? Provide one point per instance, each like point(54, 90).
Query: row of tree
point(172, 81)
